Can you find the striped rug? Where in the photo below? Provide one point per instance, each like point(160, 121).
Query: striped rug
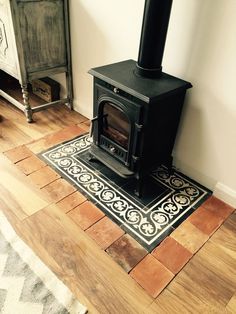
point(26, 284)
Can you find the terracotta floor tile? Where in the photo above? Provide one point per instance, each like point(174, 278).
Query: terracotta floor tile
point(85, 125)
point(55, 138)
point(71, 201)
point(44, 176)
point(58, 190)
point(219, 207)
point(206, 220)
point(86, 214)
point(189, 236)
point(105, 232)
point(172, 254)
point(19, 153)
point(127, 252)
point(30, 164)
point(152, 275)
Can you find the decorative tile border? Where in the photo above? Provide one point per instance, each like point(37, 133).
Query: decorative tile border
point(147, 224)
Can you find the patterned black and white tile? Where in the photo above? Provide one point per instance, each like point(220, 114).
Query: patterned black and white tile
point(167, 199)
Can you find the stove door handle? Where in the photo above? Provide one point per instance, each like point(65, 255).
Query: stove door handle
point(91, 129)
point(104, 116)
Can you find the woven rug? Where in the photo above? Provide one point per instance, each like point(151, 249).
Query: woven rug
point(26, 284)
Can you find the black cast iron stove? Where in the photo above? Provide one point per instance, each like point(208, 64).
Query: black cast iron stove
point(137, 107)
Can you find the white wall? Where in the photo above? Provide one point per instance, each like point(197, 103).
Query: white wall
point(201, 48)
point(102, 32)
point(206, 144)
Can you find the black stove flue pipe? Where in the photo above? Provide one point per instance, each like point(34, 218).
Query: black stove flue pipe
point(153, 37)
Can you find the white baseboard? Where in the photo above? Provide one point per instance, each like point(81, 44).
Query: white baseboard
point(220, 190)
point(225, 193)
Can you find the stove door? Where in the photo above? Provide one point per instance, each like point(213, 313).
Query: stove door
point(116, 130)
point(116, 125)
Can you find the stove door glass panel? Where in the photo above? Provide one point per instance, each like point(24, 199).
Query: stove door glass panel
point(116, 125)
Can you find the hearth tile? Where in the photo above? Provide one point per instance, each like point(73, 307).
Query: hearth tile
point(18, 153)
point(202, 200)
point(112, 217)
point(152, 275)
point(113, 178)
point(86, 214)
point(193, 182)
point(218, 207)
point(85, 158)
point(44, 176)
point(183, 217)
point(71, 201)
point(144, 238)
point(206, 220)
point(161, 237)
point(152, 191)
point(189, 236)
point(58, 190)
point(30, 164)
point(126, 252)
point(101, 169)
point(153, 221)
point(172, 254)
point(105, 232)
point(55, 138)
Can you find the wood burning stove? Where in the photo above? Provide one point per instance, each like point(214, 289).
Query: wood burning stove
point(136, 106)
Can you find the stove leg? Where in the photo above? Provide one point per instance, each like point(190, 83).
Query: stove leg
point(139, 187)
point(169, 164)
point(91, 158)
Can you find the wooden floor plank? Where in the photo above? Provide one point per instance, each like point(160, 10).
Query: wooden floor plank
point(207, 284)
point(101, 280)
point(231, 306)
point(58, 269)
point(11, 136)
point(182, 300)
point(17, 192)
point(45, 123)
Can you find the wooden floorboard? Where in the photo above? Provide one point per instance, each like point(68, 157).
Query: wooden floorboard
point(85, 265)
point(16, 192)
point(207, 284)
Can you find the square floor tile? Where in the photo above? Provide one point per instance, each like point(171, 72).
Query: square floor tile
point(55, 138)
point(71, 201)
point(105, 232)
point(189, 236)
point(217, 206)
point(18, 153)
point(127, 252)
point(152, 275)
point(59, 189)
point(172, 254)
point(30, 164)
point(206, 220)
point(44, 176)
point(86, 214)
